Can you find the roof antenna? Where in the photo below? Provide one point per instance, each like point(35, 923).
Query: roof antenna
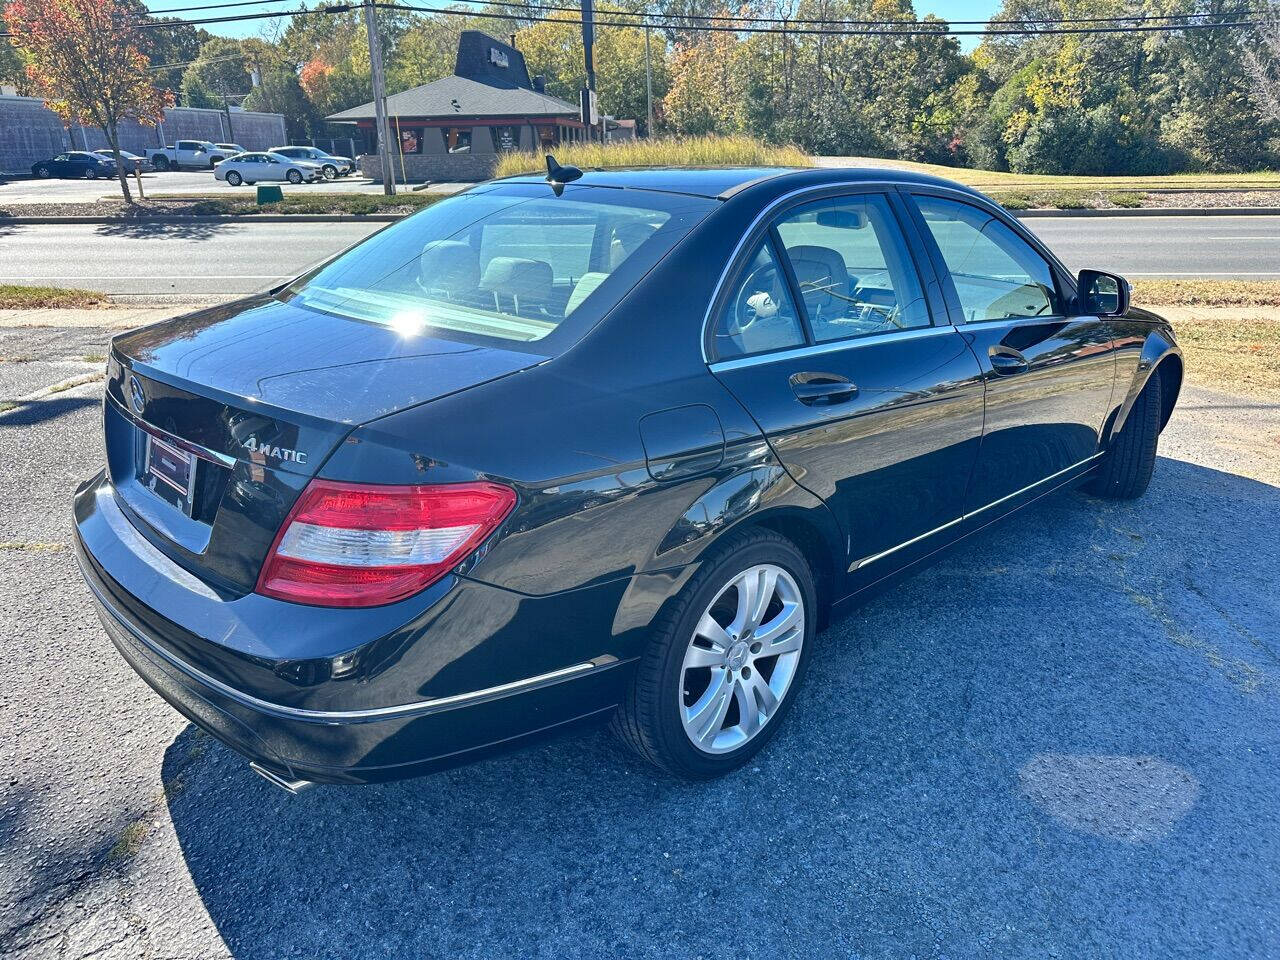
point(558, 176)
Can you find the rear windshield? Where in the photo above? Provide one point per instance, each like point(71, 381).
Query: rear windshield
point(511, 262)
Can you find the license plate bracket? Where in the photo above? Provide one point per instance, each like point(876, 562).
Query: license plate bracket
point(170, 473)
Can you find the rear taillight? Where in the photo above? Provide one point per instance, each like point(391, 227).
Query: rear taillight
point(361, 545)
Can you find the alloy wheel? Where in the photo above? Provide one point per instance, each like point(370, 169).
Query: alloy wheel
point(742, 658)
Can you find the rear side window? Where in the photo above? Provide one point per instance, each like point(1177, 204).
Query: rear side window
point(760, 315)
point(996, 274)
point(510, 262)
point(852, 268)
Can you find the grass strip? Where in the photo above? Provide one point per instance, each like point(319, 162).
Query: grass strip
point(1191, 292)
point(18, 297)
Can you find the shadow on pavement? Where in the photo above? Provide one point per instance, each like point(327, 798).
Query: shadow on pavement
point(143, 229)
point(50, 408)
point(1059, 741)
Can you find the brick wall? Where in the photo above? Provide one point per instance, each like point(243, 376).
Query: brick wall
point(434, 167)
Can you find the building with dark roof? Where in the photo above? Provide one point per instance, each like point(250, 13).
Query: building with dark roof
point(454, 128)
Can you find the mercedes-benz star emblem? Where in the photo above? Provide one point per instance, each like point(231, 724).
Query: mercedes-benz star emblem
point(136, 395)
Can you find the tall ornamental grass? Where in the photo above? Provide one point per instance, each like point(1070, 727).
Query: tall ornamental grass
point(661, 152)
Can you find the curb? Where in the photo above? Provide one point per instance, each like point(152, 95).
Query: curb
point(245, 218)
point(1151, 212)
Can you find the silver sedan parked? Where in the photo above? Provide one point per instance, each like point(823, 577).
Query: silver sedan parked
point(257, 167)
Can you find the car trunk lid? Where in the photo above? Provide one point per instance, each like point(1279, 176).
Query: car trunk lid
point(215, 422)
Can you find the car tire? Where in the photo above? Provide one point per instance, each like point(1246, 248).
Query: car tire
point(91, 174)
point(44, 173)
point(234, 178)
point(161, 164)
point(660, 716)
point(1126, 467)
point(293, 176)
point(214, 161)
point(330, 171)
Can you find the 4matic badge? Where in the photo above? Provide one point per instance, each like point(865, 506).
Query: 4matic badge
point(275, 453)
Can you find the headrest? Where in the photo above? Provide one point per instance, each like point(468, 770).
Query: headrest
point(583, 289)
point(823, 277)
point(529, 280)
point(449, 266)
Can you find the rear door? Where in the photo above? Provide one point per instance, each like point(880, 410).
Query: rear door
point(1049, 374)
point(869, 397)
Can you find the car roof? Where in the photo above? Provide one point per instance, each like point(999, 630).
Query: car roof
point(724, 182)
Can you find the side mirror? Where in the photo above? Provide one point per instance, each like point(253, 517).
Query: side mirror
point(1102, 294)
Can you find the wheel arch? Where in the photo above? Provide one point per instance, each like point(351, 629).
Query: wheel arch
point(1159, 352)
point(765, 498)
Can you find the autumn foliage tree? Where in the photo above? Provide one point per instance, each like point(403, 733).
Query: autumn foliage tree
point(84, 58)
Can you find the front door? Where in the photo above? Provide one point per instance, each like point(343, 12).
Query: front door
point(1049, 374)
point(827, 339)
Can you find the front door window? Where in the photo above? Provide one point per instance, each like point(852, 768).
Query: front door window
point(996, 274)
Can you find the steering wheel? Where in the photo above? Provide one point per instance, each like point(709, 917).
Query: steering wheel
point(755, 304)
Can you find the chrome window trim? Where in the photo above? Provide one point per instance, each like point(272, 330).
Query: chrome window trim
point(828, 346)
point(824, 189)
point(416, 709)
point(973, 513)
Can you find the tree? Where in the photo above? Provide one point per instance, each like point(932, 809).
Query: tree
point(554, 50)
point(11, 69)
point(219, 70)
point(280, 92)
point(84, 57)
point(1262, 63)
point(707, 88)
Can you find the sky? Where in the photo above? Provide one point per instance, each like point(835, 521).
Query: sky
point(948, 9)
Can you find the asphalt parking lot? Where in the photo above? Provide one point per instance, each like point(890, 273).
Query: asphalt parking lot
point(24, 190)
point(1062, 741)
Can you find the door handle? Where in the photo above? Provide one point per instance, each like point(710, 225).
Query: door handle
point(822, 389)
point(1007, 361)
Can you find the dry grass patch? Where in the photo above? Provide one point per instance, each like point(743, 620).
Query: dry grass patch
point(661, 152)
point(1207, 293)
point(984, 179)
point(1229, 330)
point(17, 297)
point(1236, 349)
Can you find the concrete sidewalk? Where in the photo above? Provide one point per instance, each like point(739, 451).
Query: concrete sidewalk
point(113, 317)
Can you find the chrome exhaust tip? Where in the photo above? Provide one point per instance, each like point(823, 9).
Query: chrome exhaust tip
point(292, 786)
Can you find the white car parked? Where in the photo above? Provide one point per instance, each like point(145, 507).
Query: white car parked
point(257, 167)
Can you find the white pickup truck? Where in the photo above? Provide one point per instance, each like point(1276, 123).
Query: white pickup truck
point(199, 154)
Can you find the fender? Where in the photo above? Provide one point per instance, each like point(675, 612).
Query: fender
point(1158, 349)
point(759, 494)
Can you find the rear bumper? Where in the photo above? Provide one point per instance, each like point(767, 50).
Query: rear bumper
point(337, 732)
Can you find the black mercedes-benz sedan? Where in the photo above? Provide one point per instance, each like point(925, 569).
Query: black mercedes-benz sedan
point(601, 446)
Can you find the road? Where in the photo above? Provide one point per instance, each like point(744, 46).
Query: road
point(1061, 741)
point(220, 259)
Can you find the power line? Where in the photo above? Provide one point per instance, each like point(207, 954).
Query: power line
point(648, 18)
point(729, 18)
point(215, 6)
point(940, 28)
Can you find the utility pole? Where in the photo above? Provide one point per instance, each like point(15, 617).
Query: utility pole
point(588, 43)
point(379, 100)
point(648, 86)
point(226, 109)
